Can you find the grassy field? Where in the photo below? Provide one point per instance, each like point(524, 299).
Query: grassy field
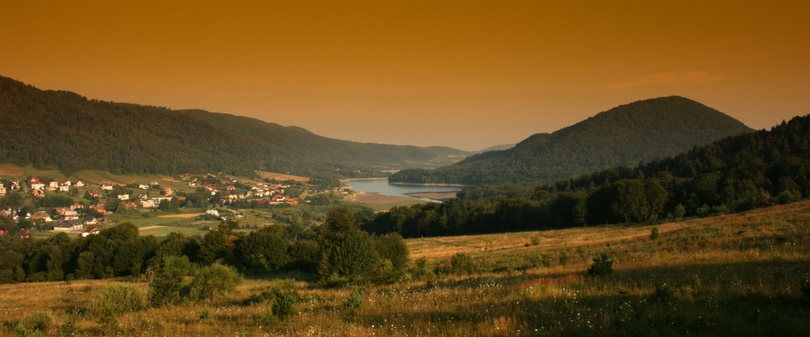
point(735, 275)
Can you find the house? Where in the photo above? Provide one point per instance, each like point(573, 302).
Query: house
point(61, 210)
point(25, 233)
point(291, 201)
point(2, 232)
point(70, 215)
point(148, 204)
point(100, 208)
point(38, 186)
point(143, 196)
point(33, 181)
point(277, 198)
point(2, 190)
point(94, 230)
point(79, 183)
point(22, 214)
point(123, 197)
point(106, 187)
point(37, 193)
point(67, 183)
point(64, 188)
point(230, 188)
point(90, 220)
point(72, 225)
point(6, 213)
point(76, 206)
point(212, 212)
point(167, 191)
point(131, 205)
point(14, 184)
point(153, 183)
point(143, 186)
point(93, 194)
point(41, 215)
point(53, 184)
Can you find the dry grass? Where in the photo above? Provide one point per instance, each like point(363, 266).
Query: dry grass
point(731, 275)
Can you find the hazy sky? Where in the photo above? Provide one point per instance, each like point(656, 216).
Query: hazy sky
point(467, 74)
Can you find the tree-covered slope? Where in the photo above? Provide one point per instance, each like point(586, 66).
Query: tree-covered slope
point(65, 130)
point(624, 135)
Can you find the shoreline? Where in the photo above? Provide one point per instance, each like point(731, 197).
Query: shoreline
point(427, 185)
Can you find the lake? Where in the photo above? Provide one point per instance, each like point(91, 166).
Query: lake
point(384, 188)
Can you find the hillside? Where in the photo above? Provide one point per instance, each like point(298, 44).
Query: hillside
point(733, 275)
point(624, 135)
point(65, 130)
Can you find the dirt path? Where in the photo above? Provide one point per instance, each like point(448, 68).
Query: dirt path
point(146, 228)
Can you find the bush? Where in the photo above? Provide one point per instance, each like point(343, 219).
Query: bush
point(663, 291)
point(354, 302)
point(602, 265)
point(463, 263)
point(654, 233)
point(117, 299)
point(166, 280)
point(421, 269)
point(212, 281)
point(36, 321)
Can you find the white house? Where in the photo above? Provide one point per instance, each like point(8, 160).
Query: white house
point(107, 187)
point(123, 197)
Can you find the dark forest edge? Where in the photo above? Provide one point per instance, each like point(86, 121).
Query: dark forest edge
point(335, 253)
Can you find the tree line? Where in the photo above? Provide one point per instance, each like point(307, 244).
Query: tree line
point(337, 251)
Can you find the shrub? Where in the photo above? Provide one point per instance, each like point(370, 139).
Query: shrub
point(654, 233)
point(354, 302)
point(205, 315)
point(421, 269)
point(37, 321)
point(284, 304)
point(536, 240)
point(213, 280)
point(663, 291)
point(602, 265)
point(563, 258)
point(703, 211)
point(166, 280)
point(463, 263)
point(116, 299)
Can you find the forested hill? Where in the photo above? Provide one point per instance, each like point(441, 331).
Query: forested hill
point(734, 174)
point(65, 130)
point(625, 135)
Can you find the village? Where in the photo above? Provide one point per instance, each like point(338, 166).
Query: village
point(79, 207)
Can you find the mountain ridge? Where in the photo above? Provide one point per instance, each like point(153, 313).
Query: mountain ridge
point(66, 130)
point(624, 135)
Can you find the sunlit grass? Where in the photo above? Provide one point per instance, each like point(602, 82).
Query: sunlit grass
point(737, 275)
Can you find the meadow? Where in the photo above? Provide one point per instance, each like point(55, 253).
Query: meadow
point(744, 274)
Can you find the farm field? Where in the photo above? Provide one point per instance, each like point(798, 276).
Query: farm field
point(736, 275)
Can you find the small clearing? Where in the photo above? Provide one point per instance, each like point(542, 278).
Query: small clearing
point(146, 228)
point(281, 176)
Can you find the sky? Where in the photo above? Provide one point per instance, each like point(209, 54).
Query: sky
point(466, 74)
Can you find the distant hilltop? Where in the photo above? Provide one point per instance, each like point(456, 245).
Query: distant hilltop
point(625, 135)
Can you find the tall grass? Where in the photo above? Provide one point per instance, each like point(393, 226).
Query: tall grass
point(743, 274)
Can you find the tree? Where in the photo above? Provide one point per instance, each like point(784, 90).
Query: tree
point(631, 201)
point(345, 250)
point(264, 250)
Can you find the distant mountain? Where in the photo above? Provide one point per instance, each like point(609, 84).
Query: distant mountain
point(498, 148)
point(625, 135)
point(65, 130)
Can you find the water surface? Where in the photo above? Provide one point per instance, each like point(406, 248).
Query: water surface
point(384, 188)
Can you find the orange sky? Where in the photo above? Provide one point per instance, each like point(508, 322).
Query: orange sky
point(467, 74)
